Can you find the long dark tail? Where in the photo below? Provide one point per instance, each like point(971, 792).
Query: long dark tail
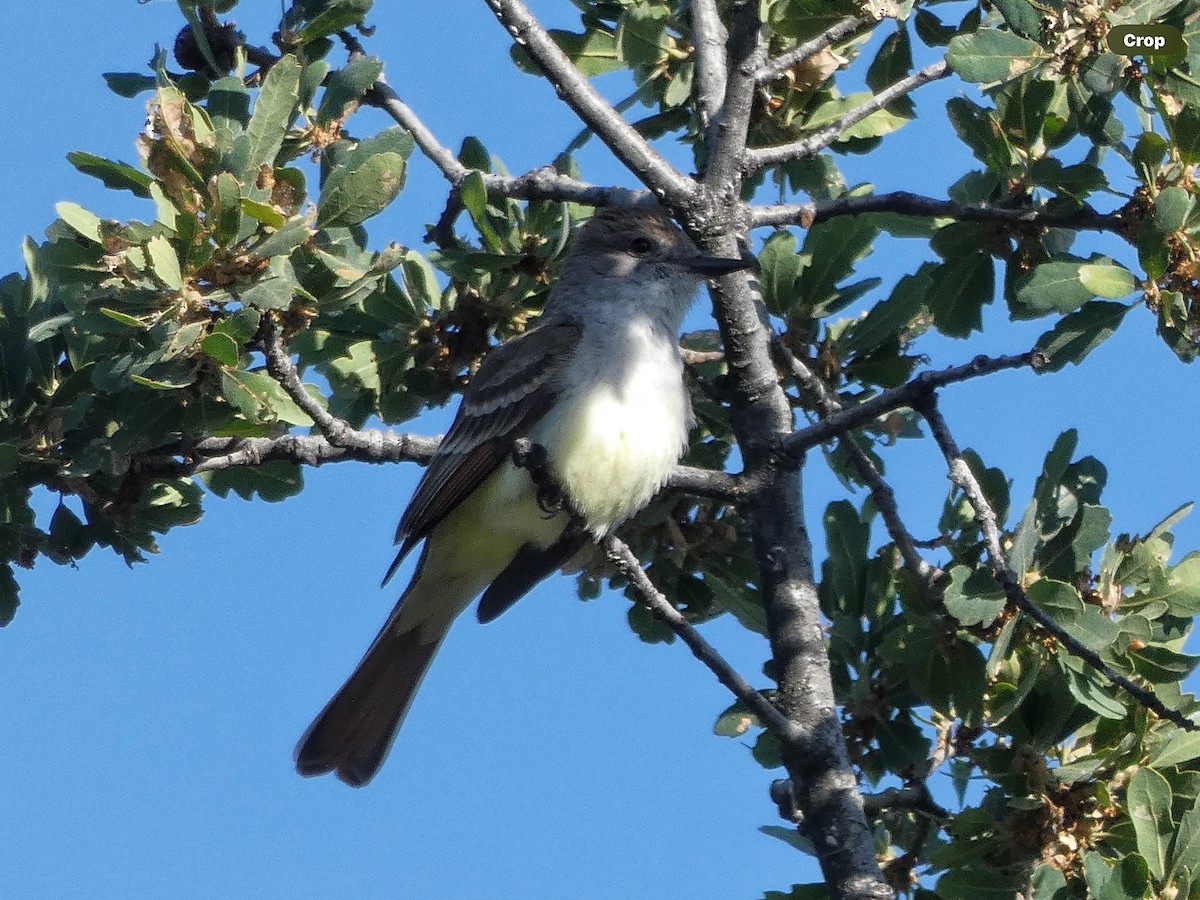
point(353, 733)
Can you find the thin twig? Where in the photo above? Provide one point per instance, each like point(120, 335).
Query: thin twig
point(915, 797)
point(906, 204)
point(796, 443)
point(985, 516)
point(773, 68)
point(283, 370)
point(767, 156)
point(597, 113)
point(382, 96)
point(770, 717)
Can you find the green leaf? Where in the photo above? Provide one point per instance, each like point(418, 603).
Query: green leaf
point(262, 212)
point(1023, 17)
point(362, 192)
point(8, 595)
point(1107, 279)
point(1181, 586)
point(1185, 849)
point(221, 347)
point(1148, 805)
point(1172, 207)
point(1185, 133)
point(1149, 152)
point(1079, 333)
point(165, 262)
point(932, 30)
point(474, 199)
point(594, 52)
point(273, 481)
point(992, 56)
point(641, 36)
point(1049, 883)
point(974, 597)
point(123, 318)
point(347, 85)
point(116, 175)
point(229, 107)
point(831, 249)
point(270, 293)
point(960, 288)
point(228, 220)
point(272, 114)
point(160, 384)
point(335, 17)
point(735, 721)
point(129, 84)
point(282, 242)
point(893, 62)
point(975, 882)
point(1095, 697)
point(1059, 599)
point(261, 398)
point(891, 318)
point(844, 573)
point(81, 221)
point(740, 600)
point(1055, 287)
point(779, 267)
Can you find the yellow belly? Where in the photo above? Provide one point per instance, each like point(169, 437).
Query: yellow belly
point(613, 452)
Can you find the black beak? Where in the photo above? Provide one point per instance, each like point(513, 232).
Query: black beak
point(712, 266)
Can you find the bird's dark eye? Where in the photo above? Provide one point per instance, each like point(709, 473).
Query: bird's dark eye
point(641, 246)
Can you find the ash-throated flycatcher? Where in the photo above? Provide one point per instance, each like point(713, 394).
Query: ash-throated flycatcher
point(597, 384)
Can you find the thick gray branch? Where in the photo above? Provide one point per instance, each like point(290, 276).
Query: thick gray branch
point(726, 137)
point(825, 781)
point(709, 36)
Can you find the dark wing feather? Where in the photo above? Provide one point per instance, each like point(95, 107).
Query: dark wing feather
point(515, 385)
point(528, 567)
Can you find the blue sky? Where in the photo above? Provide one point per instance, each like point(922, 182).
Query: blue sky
point(150, 713)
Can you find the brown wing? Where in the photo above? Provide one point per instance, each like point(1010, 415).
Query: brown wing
point(515, 385)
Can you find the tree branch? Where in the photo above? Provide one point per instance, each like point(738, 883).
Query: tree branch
point(906, 204)
point(709, 37)
point(796, 443)
point(960, 473)
point(770, 717)
point(773, 68)
point(540, 184)
point(577, 92)
point(283, 370)
point(726, 137)
point(372, 445)
point(767, 156)
point(309, 449)
point(825, 781)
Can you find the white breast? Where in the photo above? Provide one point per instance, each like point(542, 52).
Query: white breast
point(621, 424)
